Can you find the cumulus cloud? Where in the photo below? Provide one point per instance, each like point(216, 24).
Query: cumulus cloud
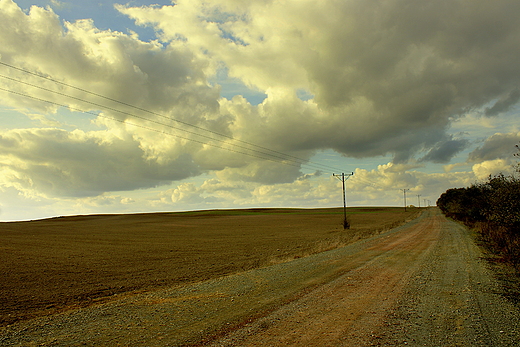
point(387, 76)
point(117, 66)
point(365, 187)
point(492, 167)
point(380, 77)
point(186, 193)
point(57, 162)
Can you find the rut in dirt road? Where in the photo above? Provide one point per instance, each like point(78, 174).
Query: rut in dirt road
point(425, 285)
point(422, 284)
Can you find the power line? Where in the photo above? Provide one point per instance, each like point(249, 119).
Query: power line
point(261, 150)
point(126, 113)
point(145, 127)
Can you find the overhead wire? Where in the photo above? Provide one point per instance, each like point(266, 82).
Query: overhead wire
point(138, 125)
point(259, 150)
point(278, 160)
point(128, 114)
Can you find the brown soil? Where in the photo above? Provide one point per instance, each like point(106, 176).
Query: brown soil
point(52, 265)
point(424, 283)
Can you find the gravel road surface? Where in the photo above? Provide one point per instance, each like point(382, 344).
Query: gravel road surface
point(422, 284)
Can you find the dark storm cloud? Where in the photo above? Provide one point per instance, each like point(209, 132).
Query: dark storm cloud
point(498, 146)
point(444, 151)
point(503, 105)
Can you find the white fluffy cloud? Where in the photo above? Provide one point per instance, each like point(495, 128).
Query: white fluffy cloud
point(387, 76)
point(365, 187)
point(492, 167)
point(57, 162)
point(379, 78)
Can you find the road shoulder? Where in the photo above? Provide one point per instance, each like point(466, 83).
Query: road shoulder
point(454, 299)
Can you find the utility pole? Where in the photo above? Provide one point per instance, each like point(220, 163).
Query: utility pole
point(419, 200)
point(404, 192)
point(425, 202)
point(343, 177)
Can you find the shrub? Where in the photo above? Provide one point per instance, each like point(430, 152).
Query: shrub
point(493, 209)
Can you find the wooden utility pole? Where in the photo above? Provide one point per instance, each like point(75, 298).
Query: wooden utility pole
point(404, 192)
point(419, 200)
point(343, 177)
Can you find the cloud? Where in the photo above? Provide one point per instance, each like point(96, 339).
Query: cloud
point(443, 152)
point(492, 167)
point(379, 77)
point(498, 146)
point(55, 162)
point(166, 80)
point(57, 3)
point(368, 187)
point(186, 193)
point(504, 104)
point(387, 77)
point(380, 186)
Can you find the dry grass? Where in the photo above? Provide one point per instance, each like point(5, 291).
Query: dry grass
point(54, 264)
point(502, 241)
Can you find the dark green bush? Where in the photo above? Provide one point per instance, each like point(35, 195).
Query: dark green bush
point(493, 209)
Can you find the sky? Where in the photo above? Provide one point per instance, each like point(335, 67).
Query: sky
point(145, 106)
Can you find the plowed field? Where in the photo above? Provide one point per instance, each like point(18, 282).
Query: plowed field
point(51, 265)
point(424, 283)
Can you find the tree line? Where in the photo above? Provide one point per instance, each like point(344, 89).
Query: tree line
point(492, 208)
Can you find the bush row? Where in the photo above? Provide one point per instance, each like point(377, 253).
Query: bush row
point(492, 208)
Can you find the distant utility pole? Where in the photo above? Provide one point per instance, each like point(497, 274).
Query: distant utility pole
point(419, 200)
point(404, 192)
point(343, 177)
point(425, 202)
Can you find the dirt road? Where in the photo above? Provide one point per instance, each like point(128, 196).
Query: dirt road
point(422, 284)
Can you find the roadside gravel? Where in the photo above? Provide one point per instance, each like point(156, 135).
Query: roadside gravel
point(430, 287)
point(454, 299)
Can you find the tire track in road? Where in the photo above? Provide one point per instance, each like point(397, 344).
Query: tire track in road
point(349, 310)
point(453, 300)
point(425, 285)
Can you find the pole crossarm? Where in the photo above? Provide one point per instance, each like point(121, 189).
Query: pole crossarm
point(343, 177)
